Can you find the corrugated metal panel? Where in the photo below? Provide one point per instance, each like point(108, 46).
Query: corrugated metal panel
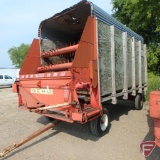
point(109, 20)
point(81, 11)
point(63, 23)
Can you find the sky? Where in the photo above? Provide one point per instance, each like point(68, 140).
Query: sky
point(19, 21)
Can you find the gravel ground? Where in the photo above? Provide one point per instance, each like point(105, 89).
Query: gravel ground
point(74, 141)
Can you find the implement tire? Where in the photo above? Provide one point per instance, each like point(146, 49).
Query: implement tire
point(139, 101)
point(100, 125)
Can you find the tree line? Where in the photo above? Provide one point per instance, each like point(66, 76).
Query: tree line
point(143, 17)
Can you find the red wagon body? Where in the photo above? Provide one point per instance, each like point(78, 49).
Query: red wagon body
point(82, 59)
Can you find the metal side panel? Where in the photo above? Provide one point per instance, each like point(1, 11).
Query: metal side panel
point(145, 68)
point(145, 54)
point(114, 59)
point(98, 59)
point(129, 60)
point(140, 66)
point(112, 55)
point(121, 63)
point(104, 47)
point(125, 60)
point(137, 62)
point(119, 60)
point(143, 63)
point(133, 68)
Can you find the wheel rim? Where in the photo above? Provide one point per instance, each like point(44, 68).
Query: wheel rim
point(104, 122)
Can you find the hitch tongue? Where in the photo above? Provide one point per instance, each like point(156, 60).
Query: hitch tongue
point(35, 134)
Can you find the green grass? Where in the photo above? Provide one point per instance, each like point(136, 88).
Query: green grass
point(153, 84)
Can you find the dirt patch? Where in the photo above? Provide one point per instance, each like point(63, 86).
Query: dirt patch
point(74, 141)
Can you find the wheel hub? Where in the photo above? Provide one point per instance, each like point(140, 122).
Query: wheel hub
point(101, 122)
point(104, 122)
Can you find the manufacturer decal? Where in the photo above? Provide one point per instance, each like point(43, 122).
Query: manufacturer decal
point(42, 91)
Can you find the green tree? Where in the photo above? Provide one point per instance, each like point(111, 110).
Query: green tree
point(143, 17)
point(17, 54)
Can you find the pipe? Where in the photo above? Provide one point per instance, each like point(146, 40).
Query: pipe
point(57, 67)
point(54, 106)
point(61, 51)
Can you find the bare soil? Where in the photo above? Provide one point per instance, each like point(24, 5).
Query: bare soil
point(66, 141)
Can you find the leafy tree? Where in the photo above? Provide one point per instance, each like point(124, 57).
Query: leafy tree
point(17, 54)
point(153, 58)
point(143, 17)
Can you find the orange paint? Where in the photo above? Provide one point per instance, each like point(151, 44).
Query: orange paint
point(76, 81)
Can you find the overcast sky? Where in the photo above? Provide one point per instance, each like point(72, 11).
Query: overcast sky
point(19, 21)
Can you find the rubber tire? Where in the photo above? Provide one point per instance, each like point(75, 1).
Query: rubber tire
point(95, 125)
point(139, 101)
